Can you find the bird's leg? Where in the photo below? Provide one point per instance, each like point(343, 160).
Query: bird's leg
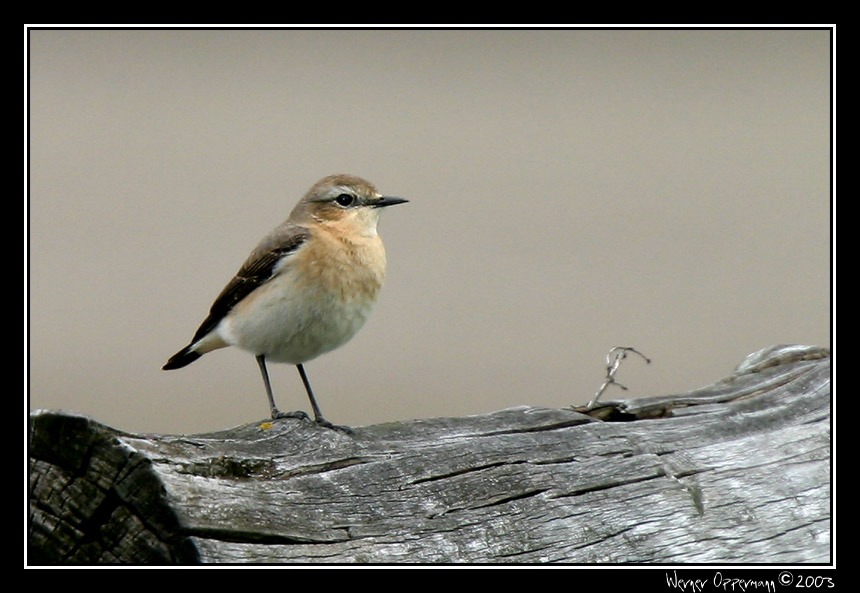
point(261, 360)
point(317, 414)
point(318, 417)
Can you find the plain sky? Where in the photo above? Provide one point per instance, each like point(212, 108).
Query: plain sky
point(570, 190)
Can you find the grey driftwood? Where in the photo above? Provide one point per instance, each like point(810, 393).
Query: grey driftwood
point(735, 472)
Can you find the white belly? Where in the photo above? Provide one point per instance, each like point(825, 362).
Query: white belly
point(288, 323)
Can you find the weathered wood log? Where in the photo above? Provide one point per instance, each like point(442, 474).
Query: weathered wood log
point(738, 471)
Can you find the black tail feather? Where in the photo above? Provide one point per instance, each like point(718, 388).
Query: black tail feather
point(182, 358)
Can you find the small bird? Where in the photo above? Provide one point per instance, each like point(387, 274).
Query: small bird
point(307, 287)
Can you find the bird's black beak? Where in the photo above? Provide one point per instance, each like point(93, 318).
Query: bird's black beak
point(388, 201)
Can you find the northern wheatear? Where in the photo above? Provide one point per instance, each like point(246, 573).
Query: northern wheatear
point(306, 289)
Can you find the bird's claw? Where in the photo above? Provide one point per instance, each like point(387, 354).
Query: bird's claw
point(277, 415)
point(323, 422)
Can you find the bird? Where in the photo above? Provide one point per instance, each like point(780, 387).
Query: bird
point(307, 288)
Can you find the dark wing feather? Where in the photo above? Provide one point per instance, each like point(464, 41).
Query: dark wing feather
point(257, 270)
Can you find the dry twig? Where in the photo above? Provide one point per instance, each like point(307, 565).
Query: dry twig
point(613, 361)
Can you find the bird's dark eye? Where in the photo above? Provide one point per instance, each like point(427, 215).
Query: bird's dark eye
point(345, 200)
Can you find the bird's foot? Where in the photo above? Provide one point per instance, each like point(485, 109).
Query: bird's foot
point(276, 415)
point(323, 422)
point(299, 415)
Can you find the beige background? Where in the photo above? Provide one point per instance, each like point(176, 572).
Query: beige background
point(570, 191)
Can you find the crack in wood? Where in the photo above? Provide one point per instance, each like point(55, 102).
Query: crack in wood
point(607, 486)
point(252, 537)
point(508, 499)
point(465, 470)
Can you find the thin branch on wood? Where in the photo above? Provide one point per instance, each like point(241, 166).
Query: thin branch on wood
point(613, 362)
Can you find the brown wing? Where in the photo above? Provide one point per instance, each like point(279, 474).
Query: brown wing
point(256, 271)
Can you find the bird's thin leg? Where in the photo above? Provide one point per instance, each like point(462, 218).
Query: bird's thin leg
point(317, 414)
point(261, 360)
